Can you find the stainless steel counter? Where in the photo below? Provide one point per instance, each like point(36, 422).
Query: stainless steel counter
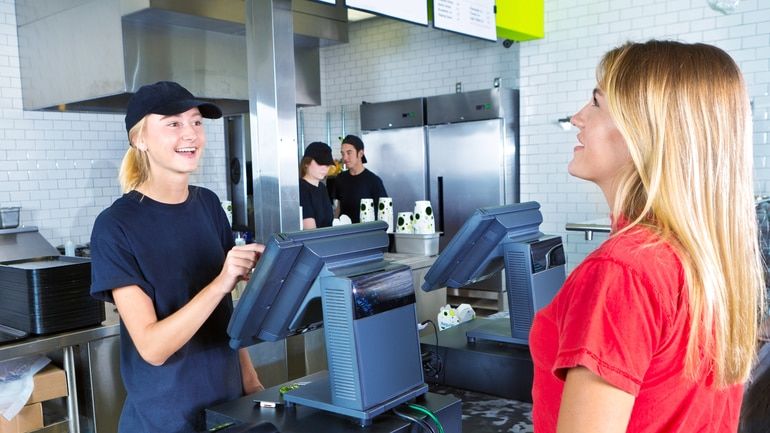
point(71, 344)
point(49, 343)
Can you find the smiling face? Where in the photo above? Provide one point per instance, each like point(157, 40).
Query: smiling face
point(601, 154)
point(173, 143)
point(352, 158)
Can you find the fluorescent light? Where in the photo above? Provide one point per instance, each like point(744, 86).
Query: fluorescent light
point(356, 15)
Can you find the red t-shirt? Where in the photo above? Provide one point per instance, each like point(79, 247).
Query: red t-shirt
point(623, 314)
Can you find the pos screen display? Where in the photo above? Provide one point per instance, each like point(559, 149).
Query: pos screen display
point(474, 252)
point(278, 301)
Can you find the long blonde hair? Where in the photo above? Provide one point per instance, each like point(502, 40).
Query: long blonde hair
point(135, 168)
point(684, 112)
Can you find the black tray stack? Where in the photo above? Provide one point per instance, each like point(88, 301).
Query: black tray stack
point(46, 294)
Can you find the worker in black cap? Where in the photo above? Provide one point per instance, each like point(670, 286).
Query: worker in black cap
point(163, 253)
point(316, 206)
point(357, 182)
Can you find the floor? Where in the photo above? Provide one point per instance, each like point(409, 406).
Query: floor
point(489, 414)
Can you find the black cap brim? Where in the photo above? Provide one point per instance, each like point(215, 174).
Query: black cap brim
point(207, 109)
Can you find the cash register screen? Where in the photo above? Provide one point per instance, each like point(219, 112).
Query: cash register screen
point(474, 253)
point(277, 301)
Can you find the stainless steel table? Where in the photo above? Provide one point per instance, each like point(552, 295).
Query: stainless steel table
point(66, 342)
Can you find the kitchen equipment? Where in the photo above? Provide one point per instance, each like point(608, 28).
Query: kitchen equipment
point(9, 217)
point(42, 291)
point(459, 150)
point(414, 243)
point(473, 148)
point(393, 133)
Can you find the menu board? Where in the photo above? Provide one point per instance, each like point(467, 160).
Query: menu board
point(415, 11)
point(470, 17)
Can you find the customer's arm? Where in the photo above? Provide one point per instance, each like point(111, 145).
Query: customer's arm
point(591, 405)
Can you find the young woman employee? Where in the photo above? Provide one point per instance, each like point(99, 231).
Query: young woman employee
point(316, 205)
point(164, 254)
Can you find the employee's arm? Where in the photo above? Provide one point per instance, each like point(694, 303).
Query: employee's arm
point(156, 340)
point(251, 382)
point(308, 223)
point(591, 405)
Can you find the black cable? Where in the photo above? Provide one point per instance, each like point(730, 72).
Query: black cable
point(434, 364)
point(435, 331)
point(424, 425)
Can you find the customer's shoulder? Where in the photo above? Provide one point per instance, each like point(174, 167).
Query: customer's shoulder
point(641, 249)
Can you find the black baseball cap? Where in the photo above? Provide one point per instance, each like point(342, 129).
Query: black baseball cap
point(356, 142)
point(320, 152)
point(165, 97)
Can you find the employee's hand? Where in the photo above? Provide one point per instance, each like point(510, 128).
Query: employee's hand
point(239, 262)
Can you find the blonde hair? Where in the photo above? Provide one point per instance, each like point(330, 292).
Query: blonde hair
point(684, 112)
point(135, 168)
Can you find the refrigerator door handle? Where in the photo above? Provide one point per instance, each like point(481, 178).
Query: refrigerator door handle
point(440, 200)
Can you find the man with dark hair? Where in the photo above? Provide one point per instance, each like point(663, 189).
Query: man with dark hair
point(356, 182)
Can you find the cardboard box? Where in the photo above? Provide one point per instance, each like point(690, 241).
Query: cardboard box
point(49, 383)
point(29, 419)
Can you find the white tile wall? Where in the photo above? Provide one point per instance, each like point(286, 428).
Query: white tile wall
point(62, 168)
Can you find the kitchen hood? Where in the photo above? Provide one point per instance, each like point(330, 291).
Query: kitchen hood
point(90, 55)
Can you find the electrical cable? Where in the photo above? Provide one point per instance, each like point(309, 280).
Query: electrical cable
point(433, 365)
point(422, 423)
point(430, 414)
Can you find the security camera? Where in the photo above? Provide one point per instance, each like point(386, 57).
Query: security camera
point(507, 43)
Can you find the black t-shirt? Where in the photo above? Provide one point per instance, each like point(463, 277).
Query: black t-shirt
point(349, 190)
point(171, 251)
point(315, 203)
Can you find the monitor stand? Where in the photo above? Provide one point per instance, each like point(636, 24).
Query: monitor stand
point(317, 394)
point(534, 273)
point(372, 344)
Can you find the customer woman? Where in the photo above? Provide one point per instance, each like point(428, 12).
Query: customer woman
point(163, 253)
point(316, 206)
point(655, 331)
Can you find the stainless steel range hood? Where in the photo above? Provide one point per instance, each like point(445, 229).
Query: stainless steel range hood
point(90, 55)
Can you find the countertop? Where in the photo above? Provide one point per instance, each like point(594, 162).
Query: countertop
point(110, 327)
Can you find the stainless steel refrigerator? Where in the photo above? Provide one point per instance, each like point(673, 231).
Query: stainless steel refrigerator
point(393, 133)
point(460, 151)
point(473, 154)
